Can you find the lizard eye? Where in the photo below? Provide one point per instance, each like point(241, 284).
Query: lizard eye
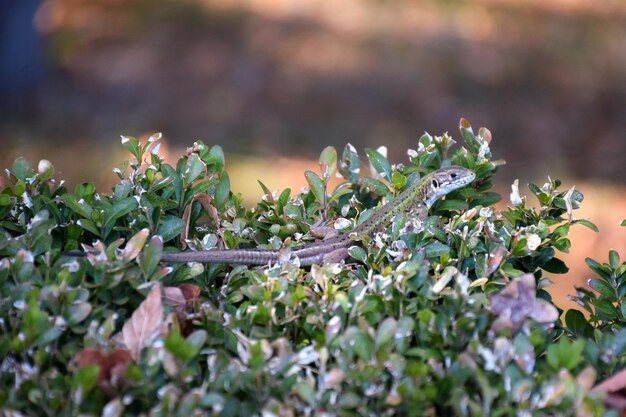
point(453, 175)
point(435, 183)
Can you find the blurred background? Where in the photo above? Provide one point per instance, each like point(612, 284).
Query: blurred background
point(273, 82)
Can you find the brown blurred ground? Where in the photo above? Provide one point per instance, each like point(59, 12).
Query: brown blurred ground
point(278, 80)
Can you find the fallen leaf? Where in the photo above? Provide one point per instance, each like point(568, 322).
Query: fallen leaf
point(112, 366)
point(139, 331)
point(517, 302)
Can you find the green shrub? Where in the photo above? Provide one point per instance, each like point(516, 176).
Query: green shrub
point(440, 317)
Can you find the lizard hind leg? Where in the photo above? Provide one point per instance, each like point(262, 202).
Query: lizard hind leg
point(335, 256)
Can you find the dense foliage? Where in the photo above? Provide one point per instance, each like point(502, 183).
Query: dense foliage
point(442, 317)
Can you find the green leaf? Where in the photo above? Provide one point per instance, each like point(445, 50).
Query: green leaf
point(200, 187)
point(562, 230)
point(358, 253)
point(264, 188)
point(374, 185)
point(565, 354)
point(218, 156)
point(578, 324)
point(78, 312)
point(180, 348)
point(385, 332)
point(122, 190)
point(510, 271)
point(451, 205)
point(563, 245)
point(20, 187)
point(80, 207)
point(306, 392)
point(86, 190)
point(605, 309)
point(171, 227)
point(534, 189)
point(283, 199)
point(349, 164)
point(380, 163)
point(613, 259)
point(363, 346)
point(600, 270)
point(468, 135)
point(222, 191)
point(119, 209)
point(619, 343)
point(5, 200)
point(623, 223)
point(398, 180)
point(21, 170)
point(328, 159)
point(555, 266)
point(40, 228)
point(316, 185)
point(89, 226)
point(587, 223)
point(436, 249)
point(486, 199)
point(195, 167)
point(604, 288)
point(132, 144)
point(86, 378)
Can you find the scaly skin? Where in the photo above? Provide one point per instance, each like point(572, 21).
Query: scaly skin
point(418, 197)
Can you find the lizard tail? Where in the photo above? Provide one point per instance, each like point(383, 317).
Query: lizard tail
point(234, 256)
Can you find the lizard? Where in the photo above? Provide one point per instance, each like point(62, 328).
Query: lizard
point(418, 197)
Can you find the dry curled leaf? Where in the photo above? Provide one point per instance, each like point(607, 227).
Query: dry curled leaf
point(615, 389)
point(517, 302)
point(190, 291)
point(495, 259)
point(174, 297)
point(145, 323)
point(112, 366)
point(205, 202)
point(182, 300)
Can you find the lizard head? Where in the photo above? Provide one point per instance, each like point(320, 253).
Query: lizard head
point(444, 180)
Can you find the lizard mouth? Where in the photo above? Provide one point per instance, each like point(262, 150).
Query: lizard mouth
point(470, 178)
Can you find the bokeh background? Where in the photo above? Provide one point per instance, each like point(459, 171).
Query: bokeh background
point(273, 82)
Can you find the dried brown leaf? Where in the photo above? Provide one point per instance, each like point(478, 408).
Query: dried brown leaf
point(112, 366)
point(517, 302)
point(615, 388)
point(495, 259)
point(190, 291)
point(182, 300)
point(614, 383)
point(174, 297)
point(144, 324)
point(89, 356)
point(205, 202)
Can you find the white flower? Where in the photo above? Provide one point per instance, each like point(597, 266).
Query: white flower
point(516, 200)
point(533, 241)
